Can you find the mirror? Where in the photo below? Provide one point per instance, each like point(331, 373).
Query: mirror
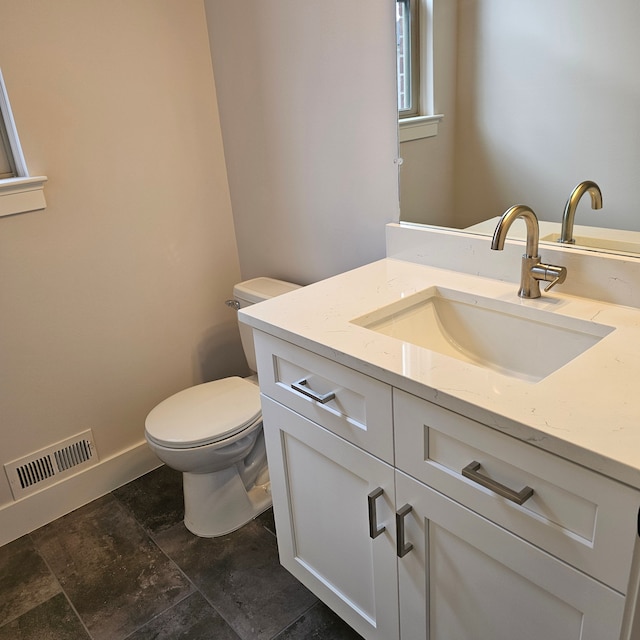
point(537, 96)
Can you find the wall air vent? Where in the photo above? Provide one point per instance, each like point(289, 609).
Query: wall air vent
point(50, 465)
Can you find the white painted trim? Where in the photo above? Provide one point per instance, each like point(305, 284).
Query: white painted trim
point(19, 195)
point(418, 127)
point(25, 515)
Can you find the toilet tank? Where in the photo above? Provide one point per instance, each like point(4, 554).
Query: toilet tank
point(249, 292)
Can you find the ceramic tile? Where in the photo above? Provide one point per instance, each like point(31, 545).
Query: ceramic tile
point(240, 575)
point(155, 499)
point(25, 579)
point(114, 575)
point(51, 620)
point(319, 623)
point(123, 586)
point(191, 619)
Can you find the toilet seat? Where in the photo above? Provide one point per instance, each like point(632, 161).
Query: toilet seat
point(205, 414)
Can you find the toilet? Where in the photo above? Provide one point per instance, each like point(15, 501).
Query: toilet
point(212, 433)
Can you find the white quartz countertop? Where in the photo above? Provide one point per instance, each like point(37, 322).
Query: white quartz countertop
point(587, 411)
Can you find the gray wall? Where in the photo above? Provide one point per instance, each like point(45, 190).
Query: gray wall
point(308, 112)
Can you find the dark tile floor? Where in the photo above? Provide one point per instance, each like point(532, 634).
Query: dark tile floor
point(125, 567)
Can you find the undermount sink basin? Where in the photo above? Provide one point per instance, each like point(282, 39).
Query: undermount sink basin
point(513, 339)
point(608, 244)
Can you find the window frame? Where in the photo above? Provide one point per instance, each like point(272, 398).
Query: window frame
point(422, 121)
point(412, 8)
point(19, 192)
point(9, 137)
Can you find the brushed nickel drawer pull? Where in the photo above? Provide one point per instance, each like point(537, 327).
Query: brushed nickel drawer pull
point(519, 497)
point(402, 547)
point(302, 387)
point(374, 529)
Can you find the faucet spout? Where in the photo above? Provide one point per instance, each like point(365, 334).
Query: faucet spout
point(533, 270)
point(569, 214)
point(507, 219)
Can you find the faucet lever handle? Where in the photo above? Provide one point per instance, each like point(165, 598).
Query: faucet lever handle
point(552, 283)
point(549, 273)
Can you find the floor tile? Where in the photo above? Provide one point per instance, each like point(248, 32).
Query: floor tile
point(51, 620)
point(155, 499)
point(319, 623)
point(113, 574)
point(25, 579)
point(241, 576)
point(192, 619)
point(266, 519)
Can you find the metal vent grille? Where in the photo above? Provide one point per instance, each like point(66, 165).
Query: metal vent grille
point(73, 455)
point(50, 465)
point(35, 471)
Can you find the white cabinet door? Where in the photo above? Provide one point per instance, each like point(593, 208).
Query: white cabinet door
point(468, 579)
point(326, 513)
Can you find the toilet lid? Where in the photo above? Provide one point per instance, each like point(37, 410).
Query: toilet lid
point(205, 413)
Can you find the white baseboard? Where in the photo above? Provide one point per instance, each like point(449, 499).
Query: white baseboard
point(27, 514)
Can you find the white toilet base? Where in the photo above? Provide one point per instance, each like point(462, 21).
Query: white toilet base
point(218, 503)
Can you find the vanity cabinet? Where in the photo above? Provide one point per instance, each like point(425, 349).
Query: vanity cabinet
point(375, 515)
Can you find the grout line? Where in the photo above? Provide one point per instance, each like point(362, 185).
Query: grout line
point(227, 622)
point(207, 600)
point(152, 537)
point(62, 589)
point(304, 613)
point(175, 604)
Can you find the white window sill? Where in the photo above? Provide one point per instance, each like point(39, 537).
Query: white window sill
point(418, 127)
point(19, 195)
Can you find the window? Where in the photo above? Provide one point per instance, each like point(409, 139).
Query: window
point(12, 163)
point(408, 57)
point(415, 62)
point(18, 191)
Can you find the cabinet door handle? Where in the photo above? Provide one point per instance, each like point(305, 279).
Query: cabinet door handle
point(302, 387)
point(403, 547)
point(374, 530)
point(519, 497)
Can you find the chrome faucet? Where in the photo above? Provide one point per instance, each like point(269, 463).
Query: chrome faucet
point(566, 236)
point(532, 269)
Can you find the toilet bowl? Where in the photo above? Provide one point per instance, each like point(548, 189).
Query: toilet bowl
point(212, 433)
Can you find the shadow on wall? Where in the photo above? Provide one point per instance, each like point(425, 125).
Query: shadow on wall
point(219, 354)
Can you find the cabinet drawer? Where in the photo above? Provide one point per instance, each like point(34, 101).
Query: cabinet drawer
point(580, 516)
point(355, 406)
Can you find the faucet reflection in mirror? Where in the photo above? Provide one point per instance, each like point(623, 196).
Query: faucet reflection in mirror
point(533, 270)
point(587, 186)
